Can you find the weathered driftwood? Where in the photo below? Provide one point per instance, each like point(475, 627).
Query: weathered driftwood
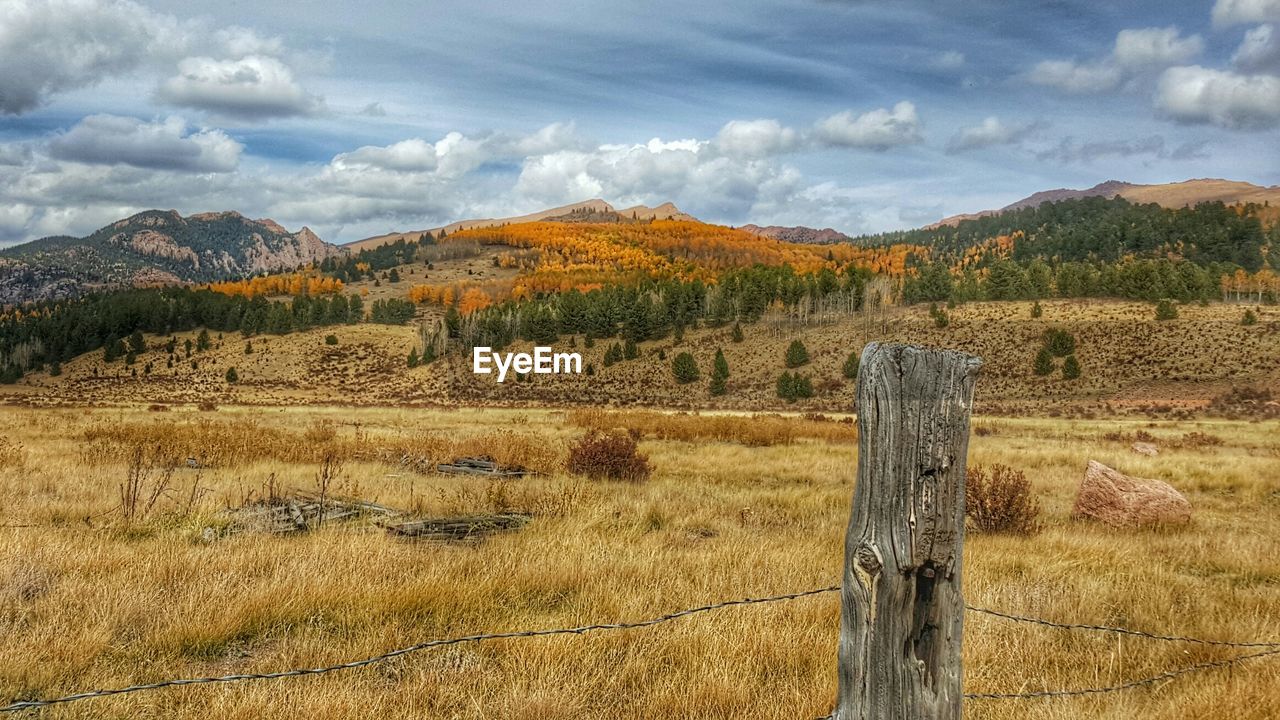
point(902, 608)
point(479, 466)
point(299, 512)
point(469, 527)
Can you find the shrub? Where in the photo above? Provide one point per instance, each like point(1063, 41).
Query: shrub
point(1249, 318)
point(718, 386)
point(629, 350)
point(737, 333)
point(720, 366)
point(1166, 310)
point(232, 376)
point(1001, 501)
point(850, 368)
point(684, 368)
point(794, 386)
point(248, 347)
point(1044, 362)
point(613, 354)
point(1036, 310)
point(412, 360)
point(330, 339)
point(608, 456)
point(1059, 342)
point(797, 354)
point(1071, 368)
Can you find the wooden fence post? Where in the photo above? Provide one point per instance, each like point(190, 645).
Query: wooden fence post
point(901, 607)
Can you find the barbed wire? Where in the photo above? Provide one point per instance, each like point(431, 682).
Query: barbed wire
point(32, 704)
point(1169, 675)
point(1273, 648)
point(1119, 630)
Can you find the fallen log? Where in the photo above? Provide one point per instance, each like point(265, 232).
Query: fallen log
point(467, 527)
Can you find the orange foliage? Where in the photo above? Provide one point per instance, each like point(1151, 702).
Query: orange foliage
point(284, 284)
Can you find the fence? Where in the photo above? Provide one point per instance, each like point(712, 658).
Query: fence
point(902, 568)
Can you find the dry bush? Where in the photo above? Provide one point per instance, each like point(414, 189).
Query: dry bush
point(1001, 501)
point(506, 447)
point(1198, 440)
point(214, 444)
point(12, 454)
point(749, 430)
point(503, 496)
point(608, 455)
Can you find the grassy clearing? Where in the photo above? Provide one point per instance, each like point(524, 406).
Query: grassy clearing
point(88, 599)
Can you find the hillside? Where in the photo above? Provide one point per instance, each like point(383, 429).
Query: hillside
point(154, 248)
point(1170, 195)
point(1131, 364)
point(602, 210)
point(798, 234)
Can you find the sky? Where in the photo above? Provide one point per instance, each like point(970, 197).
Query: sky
point(358, 119)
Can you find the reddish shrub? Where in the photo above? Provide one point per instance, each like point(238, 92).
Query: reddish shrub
point(608, 455)
point(1001, 501)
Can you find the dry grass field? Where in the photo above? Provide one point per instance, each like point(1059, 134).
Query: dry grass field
point(90, 597)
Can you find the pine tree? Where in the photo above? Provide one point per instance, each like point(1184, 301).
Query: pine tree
point(737, 333)
point(1070, 368)
point(413, 358)
point(1166, 310)
point(137, 343)
point(1249, 318)
point(720, 365)
point(797, 354)
point(202, 341)
point(850, 368)
point(685, 368)
point(248, 347)
point(718, 386)
point(629, 350)
point(1036, 310)
point(232, 375)
point(1044, 362)
point(55, 369)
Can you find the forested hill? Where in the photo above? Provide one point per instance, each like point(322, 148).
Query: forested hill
point(1108, 230)
point(154, 248)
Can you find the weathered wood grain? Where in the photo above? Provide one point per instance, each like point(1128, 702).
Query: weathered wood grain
point(902, 607)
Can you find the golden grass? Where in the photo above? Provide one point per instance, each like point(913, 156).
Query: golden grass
point(759, 430)
point(86, 602)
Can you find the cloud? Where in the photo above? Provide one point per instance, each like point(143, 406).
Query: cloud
point(255, 87)
point(373, 109)
point(1135, 52)
point(990, 132)
point(876, 130)
point(1069, 150)
point(1198, 95)
point(1234, 12)
point(1154, 47)
point(51, 46)
point(949, 60)
point(755, 138)
point(1259, 51)
point(161, 145)
point(1071, 77)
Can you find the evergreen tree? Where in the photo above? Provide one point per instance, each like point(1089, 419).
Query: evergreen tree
point(1070, 368)
point(232, 376)
point(248, 347)
point(202, 340)
point(413, 358)
point(1044, 362)
point(136, 342)
point(850, 368)
point(1166, 310)
point(1249, 318)
point(685, 368)
point(737, 333)
point(1059, 342)
point(55, 369)
point(720, 366)
point(629, 349)
point(394, 275)
point(797, 354)
point(613, 355)
point(718, 385)
point(1036, 310)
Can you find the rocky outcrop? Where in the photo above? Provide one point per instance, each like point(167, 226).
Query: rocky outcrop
point(798, 234)
point(1123, 501)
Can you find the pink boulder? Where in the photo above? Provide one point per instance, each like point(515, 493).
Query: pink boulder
point(1122, 501)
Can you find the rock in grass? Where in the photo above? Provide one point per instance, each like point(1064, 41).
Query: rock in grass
point(1123, 501)
point(1145, 448)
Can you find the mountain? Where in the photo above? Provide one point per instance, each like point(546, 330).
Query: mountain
point(596, 210)
point(798, 234)
point(155, 247)
point(1170, 195)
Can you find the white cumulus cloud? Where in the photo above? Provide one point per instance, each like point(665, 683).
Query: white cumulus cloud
point(1233, 12)
point(879, 129)
point(991, 131)
point(1137, 53)
point(1147, 47)
point(1195, 94)
point(1259, 51)
point(755, 138)
point(161, 145)
point(254, 87)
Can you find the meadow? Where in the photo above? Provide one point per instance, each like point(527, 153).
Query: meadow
point(100, 591)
